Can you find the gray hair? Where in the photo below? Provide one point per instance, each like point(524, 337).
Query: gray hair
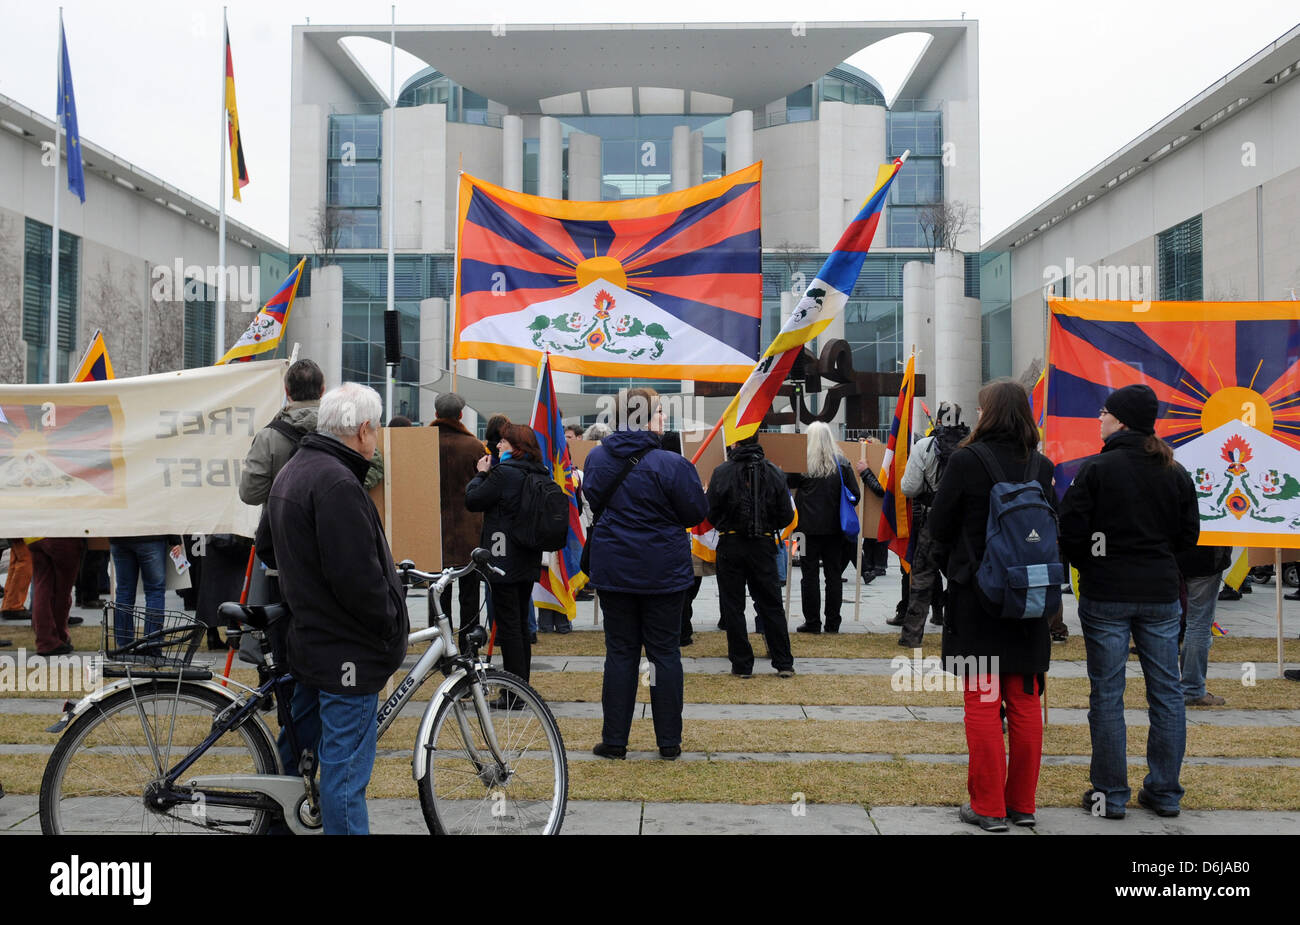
point(597, 432)
point(448, 406)
point(346, 408)
point(823, 455)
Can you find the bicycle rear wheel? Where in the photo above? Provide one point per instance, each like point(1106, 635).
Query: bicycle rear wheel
point(465, 792)
point(97, 775)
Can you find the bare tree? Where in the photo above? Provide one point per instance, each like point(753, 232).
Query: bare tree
point(12, 352)
point(326, 230)
point(942, 223)
point(791, 256)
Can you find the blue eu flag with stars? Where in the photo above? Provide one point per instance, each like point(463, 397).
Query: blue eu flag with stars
point(67, 114)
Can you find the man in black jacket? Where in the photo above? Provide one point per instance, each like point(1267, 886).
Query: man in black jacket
point(749, 505)
point(347, 632)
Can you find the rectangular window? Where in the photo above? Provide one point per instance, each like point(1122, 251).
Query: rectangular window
point(354, 177)
point(355, 136)
point(354, 184)
point(200, 325)
point(360, 228)
point(36, 299)
point(920, 183)
point(905, 226)
point(1178, 253)
point(921, 132)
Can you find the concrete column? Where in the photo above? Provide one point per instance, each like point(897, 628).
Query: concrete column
point(318, 323)
point(681, 162)
point(740, 140)
point(952, 340)
point(512, 153)
point(433, 350)
point(584, 167)
point(697, 158)
point(550, 158)
point(968, 387)
point(918, 320)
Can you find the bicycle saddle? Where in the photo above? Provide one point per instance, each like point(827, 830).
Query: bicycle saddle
point(258, 616)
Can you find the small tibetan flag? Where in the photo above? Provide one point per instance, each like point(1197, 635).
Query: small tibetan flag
point(896, 508)
point(562, 578)
point(268, 327)
point(95, 365)
point(238, 169)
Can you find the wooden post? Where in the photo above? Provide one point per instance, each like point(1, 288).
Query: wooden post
point(1277, 580)
point(595, 605)
point(862, 500)
point(789, 579)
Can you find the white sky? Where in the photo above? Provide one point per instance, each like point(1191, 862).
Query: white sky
point(1062, 86)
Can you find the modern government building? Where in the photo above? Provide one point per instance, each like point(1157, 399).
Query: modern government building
point(1202, 205)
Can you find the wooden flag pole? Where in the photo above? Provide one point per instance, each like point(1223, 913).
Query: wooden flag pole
point(455, 269)
point(707, 440)
point(789, 577)
point(862, 503)
point(1277, 580)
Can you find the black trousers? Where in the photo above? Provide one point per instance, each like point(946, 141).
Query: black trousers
point(93, 575)
point(688, 600)
point(751, 559)
point(631, 622)
point(469, 597)
point(822, 559)
point(510, 607)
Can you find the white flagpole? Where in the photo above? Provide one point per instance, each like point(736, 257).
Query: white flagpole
point(54, 239)
point(391, 205)
point(219, 338)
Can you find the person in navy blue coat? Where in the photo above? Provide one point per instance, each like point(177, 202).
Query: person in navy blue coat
point(641, 566)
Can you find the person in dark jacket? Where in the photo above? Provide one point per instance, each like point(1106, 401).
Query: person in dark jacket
point(1128, 513)
point(643, 497)
point(1202, 570)
point(818, 493)
point(495, 490)
point(749, 505)
point(348, 623)
point(1010, 656)
point(458, 454)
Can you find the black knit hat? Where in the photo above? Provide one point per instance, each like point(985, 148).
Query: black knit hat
point(1135, 407)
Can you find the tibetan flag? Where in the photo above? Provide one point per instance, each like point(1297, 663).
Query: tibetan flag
point(268, 327)
point(823, 300)
point(664, 286)
point(66, 111)
point(895, 507)
point(704, 541)
point(562, 578)
point(1217, 630)
point(1237, 572)
point(1038, 402)
point(94, 365)
point(238, 169)
point(1227, 381)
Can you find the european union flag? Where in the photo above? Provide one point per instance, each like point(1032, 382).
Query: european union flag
point(67, 113)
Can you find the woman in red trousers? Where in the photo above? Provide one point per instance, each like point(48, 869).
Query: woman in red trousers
point(1002, 661)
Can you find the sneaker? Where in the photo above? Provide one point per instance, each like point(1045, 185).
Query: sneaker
point(743, 675)
point(602, 750)
point(987, 823)
point(808, 628)
point(1060, 637)
point(1206, 700)
point(1145, 799)
point(670, 752)
point(785, 673)
point(1022, 819)
point(1091, 798)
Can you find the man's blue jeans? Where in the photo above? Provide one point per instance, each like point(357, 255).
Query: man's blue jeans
point(133, 559)
point(1202, 593)
point(345, 752)
point(1107, 626)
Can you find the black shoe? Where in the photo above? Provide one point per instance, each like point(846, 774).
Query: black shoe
point(5, 643)
point(564, 629)
point(1145, 799)
point(1227, 594)
point(909, 643)
point(76, 621)
point(20, 614)
point(688, 641)
point(936, 620)
point(1090, 802)
point(1291, 674)
point(831, 629)
point(1245, 587)
point(670, 752)
point(745, 675)
point(610, 751)
point(65, 649)
point(1023, 819)
point(532, 639)
point(868, 577)
point(1293, 596)
point(987, 823)
point(895, 620)
point(1060, 637)
point(785, 673)
point(813, 628)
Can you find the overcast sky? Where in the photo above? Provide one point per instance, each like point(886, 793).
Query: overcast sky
point(1062, 86)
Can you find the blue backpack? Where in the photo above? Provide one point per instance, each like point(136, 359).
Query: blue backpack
point(1021, 574)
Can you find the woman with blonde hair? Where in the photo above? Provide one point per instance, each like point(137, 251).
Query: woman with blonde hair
point(826, 478)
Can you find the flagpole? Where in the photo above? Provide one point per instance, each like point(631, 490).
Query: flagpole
point(219, 340)
point(455, 269)
point(54, 239)
point(391, 206)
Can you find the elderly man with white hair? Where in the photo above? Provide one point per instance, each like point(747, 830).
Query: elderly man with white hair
point(348, 623)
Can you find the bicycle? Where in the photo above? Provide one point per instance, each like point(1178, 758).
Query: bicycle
point(487, 758)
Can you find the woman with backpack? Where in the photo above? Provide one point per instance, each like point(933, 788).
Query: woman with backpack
point(1128, 513)
point(1001, 660)
point(496, 491)
point(818, 492)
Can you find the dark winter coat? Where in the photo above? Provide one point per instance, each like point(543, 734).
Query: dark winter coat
point(640, 544)
point(1124, 518)
point(957, 522)
point(818, 500)
point(729, 502)
point(458, 453)
point(347, 632)
point(496, 493)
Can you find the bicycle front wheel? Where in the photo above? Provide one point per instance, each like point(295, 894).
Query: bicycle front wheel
point(465, 791)
point(98, 774)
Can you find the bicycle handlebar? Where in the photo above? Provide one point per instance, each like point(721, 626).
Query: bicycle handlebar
point(478, 561)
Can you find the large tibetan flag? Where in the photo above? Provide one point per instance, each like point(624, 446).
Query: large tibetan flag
point(268, 327)
point(238, 169)
point(666, 286)
point(823, 300)
point(563, 578)
point(1227, 378)
point(66, 112)
point(95, 365)
point(895, 507)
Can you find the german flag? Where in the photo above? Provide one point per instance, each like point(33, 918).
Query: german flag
point(238, 169)
point(95, 365)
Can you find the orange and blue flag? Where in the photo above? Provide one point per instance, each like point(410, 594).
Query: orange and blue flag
point(563, 578)
point(822, 302)
point(268, 327)
point(895, 507)
point(665, 286)
point(95, 365)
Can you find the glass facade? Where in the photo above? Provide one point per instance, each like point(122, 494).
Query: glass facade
point(1178, 256)
point(200, 324)
point(463, 104)
point(993, 289)
point(909, 127)
point(36, 299)
point(353, 169)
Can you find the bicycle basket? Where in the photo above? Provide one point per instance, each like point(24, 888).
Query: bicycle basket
point(137, 636)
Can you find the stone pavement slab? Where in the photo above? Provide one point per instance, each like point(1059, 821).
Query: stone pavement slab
point(730, 819)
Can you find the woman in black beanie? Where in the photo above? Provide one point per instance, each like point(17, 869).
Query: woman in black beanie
point(1128, 512)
